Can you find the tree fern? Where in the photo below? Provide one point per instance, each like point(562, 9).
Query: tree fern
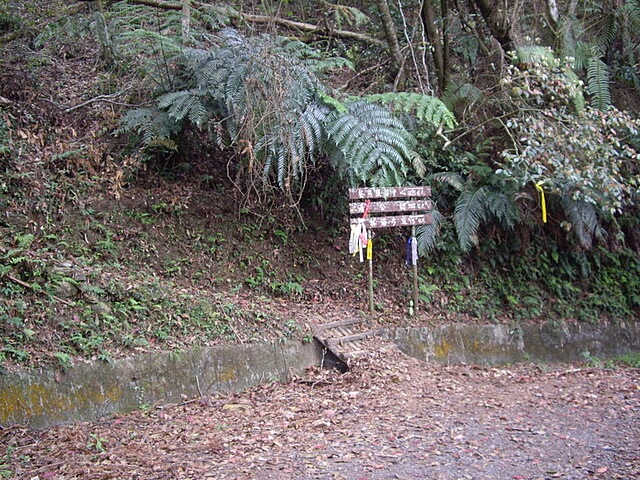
point(274, 109)
point(483, 196)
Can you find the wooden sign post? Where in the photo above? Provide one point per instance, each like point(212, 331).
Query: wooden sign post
point(376, 211)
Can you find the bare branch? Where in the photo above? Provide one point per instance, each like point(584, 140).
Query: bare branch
point(301, 26)
point(100, 98)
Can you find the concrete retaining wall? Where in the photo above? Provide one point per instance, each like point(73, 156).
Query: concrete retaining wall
point(92, 391)
point(502, 344)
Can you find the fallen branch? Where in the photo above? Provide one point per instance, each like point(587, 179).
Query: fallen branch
point(311, 28)
point(100, 98)
point(301, 26)
point(25, 284)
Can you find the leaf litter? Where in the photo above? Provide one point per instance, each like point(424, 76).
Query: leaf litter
point(388, 417)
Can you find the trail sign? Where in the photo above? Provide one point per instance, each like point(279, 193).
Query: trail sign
point(377, 211)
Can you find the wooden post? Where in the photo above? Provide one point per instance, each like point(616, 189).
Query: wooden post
point(415, 271)
point(370, 261)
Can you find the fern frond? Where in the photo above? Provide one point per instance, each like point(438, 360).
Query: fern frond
point(501, 206)
point(631, 10)
point(582, 54)
point(427, 109)
point(427, 235)
point(312, 59)
point(417, 163)
point(350, 15)
point(186, 105)
point(454, 95)
point(374, 146)
point(598, 83)
point(452, 179)
point(584, 220)
point(150, 124)
point(469, 213)
point(133, 41)
point(607, 34)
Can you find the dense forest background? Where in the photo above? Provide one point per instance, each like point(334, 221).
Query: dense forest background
point(176, 172)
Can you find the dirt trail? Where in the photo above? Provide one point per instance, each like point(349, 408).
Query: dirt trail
point(389, 417)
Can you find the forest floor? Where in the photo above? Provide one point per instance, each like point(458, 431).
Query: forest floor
point(388, 417)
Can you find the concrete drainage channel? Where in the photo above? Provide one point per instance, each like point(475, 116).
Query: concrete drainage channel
point(92, 391)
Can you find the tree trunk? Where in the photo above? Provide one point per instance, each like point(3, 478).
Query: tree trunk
point(186, 21)
point(444, 11)
point(496, 15)
point(429, 18)
point(391, 35)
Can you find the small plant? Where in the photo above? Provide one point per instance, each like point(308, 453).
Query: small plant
point(64, 360)
point(591, 360)
point(282, 235)
point(96, 443)
point(286, 288)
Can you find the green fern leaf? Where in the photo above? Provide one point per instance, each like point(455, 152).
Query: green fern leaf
point(374, 146)
point(631, 10)
point(598, 83)
point(584, 220)
point(501, 206)
point(455, 95)
point(427, 109)
point(185, 105)
point(150, 124)
point(452, 179)
point(427, 235)
point(469, 213)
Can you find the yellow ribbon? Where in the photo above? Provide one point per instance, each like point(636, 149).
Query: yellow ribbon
point(369, 249)
point(543, 203)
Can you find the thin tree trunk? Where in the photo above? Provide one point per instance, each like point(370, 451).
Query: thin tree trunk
point(186, 21)
point(391, 35)
point(444, 11)
point(429, 21)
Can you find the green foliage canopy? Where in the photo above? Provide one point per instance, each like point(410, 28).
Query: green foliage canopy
point(263, 97)
point(587, 155)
